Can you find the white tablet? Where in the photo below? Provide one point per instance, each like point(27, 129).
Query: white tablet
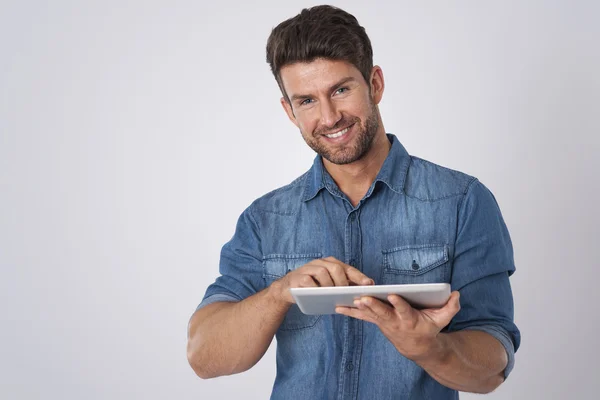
point(323, 300)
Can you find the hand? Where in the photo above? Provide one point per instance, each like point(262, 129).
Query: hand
point(413, 332)
point(321, 272)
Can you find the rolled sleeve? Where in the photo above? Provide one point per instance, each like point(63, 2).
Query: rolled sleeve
point(483, 262)
point(240, 265)
point(504, 338)
point(215, 298)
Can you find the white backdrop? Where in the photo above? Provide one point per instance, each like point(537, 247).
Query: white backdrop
point(133, 134)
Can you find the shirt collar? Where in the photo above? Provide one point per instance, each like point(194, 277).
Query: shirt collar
point(392, 172)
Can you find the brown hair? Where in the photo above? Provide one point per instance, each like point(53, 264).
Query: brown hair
point(319, 32)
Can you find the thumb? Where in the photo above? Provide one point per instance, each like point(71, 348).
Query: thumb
point(444, 315)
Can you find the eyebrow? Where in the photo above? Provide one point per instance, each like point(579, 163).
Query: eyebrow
point(331, 88)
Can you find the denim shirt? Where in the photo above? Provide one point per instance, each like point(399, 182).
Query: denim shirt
point(446, 221)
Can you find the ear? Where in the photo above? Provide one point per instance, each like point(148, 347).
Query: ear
point(377, 84)
point(288, 110)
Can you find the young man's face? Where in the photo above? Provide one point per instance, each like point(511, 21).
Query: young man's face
point(333, 107)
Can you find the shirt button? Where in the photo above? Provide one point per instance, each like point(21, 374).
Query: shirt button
point(349, 366)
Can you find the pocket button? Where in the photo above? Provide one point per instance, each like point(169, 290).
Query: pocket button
point(415, 266)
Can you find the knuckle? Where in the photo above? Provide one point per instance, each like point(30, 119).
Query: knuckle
point(337, 269)
point(352, 270)
point(323, 272)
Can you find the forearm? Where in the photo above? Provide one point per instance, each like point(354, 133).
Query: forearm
point(468, 361)
point(228, 338)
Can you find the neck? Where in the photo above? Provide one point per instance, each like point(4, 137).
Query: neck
point(354, 179)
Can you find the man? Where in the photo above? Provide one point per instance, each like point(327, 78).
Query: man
point(365, 213)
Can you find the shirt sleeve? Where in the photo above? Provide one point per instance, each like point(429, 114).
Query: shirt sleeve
point(240, 265)
point(483, 261)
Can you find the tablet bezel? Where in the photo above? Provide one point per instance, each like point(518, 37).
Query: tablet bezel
point(324, 300)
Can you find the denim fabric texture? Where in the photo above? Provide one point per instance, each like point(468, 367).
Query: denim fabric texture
point(418, 223)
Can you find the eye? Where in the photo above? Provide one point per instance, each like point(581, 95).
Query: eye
point(341, 90)
point(305, 102)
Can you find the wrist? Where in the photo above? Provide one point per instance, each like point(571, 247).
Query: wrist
point(438, 352)
point(276, 295)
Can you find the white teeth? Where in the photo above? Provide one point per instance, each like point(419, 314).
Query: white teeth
point(338, 134)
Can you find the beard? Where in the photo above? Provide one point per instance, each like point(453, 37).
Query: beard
point(351, 152)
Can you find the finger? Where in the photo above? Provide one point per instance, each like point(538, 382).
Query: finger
point(403, 309)
point(451, 308)
point(356, 276)
point(454, 302)
point(379, 309)
point(336, 271)
point(305, 281)
point(441, 317)
point(322, 276)
point(354, 313)
point(353, 275)
point(318, 272)
point(366, 311)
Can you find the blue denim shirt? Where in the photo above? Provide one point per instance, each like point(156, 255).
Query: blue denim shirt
point(447, 221)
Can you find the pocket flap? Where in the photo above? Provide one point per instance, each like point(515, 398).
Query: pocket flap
point(277, 265)
point(415, 259)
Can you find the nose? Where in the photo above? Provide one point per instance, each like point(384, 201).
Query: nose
point(329, 114)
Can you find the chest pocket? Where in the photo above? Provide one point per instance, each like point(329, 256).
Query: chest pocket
point(276, 266)
point(416, 264)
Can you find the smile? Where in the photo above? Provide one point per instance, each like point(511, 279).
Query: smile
point(338, 134)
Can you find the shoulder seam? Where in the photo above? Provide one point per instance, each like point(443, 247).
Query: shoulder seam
point(433, 200)
point(290, 185)
point(294, 184)
point(440, 166)
point(459, 192)
point(466, 190)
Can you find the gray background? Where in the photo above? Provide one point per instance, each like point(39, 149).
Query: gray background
point(134, 133)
